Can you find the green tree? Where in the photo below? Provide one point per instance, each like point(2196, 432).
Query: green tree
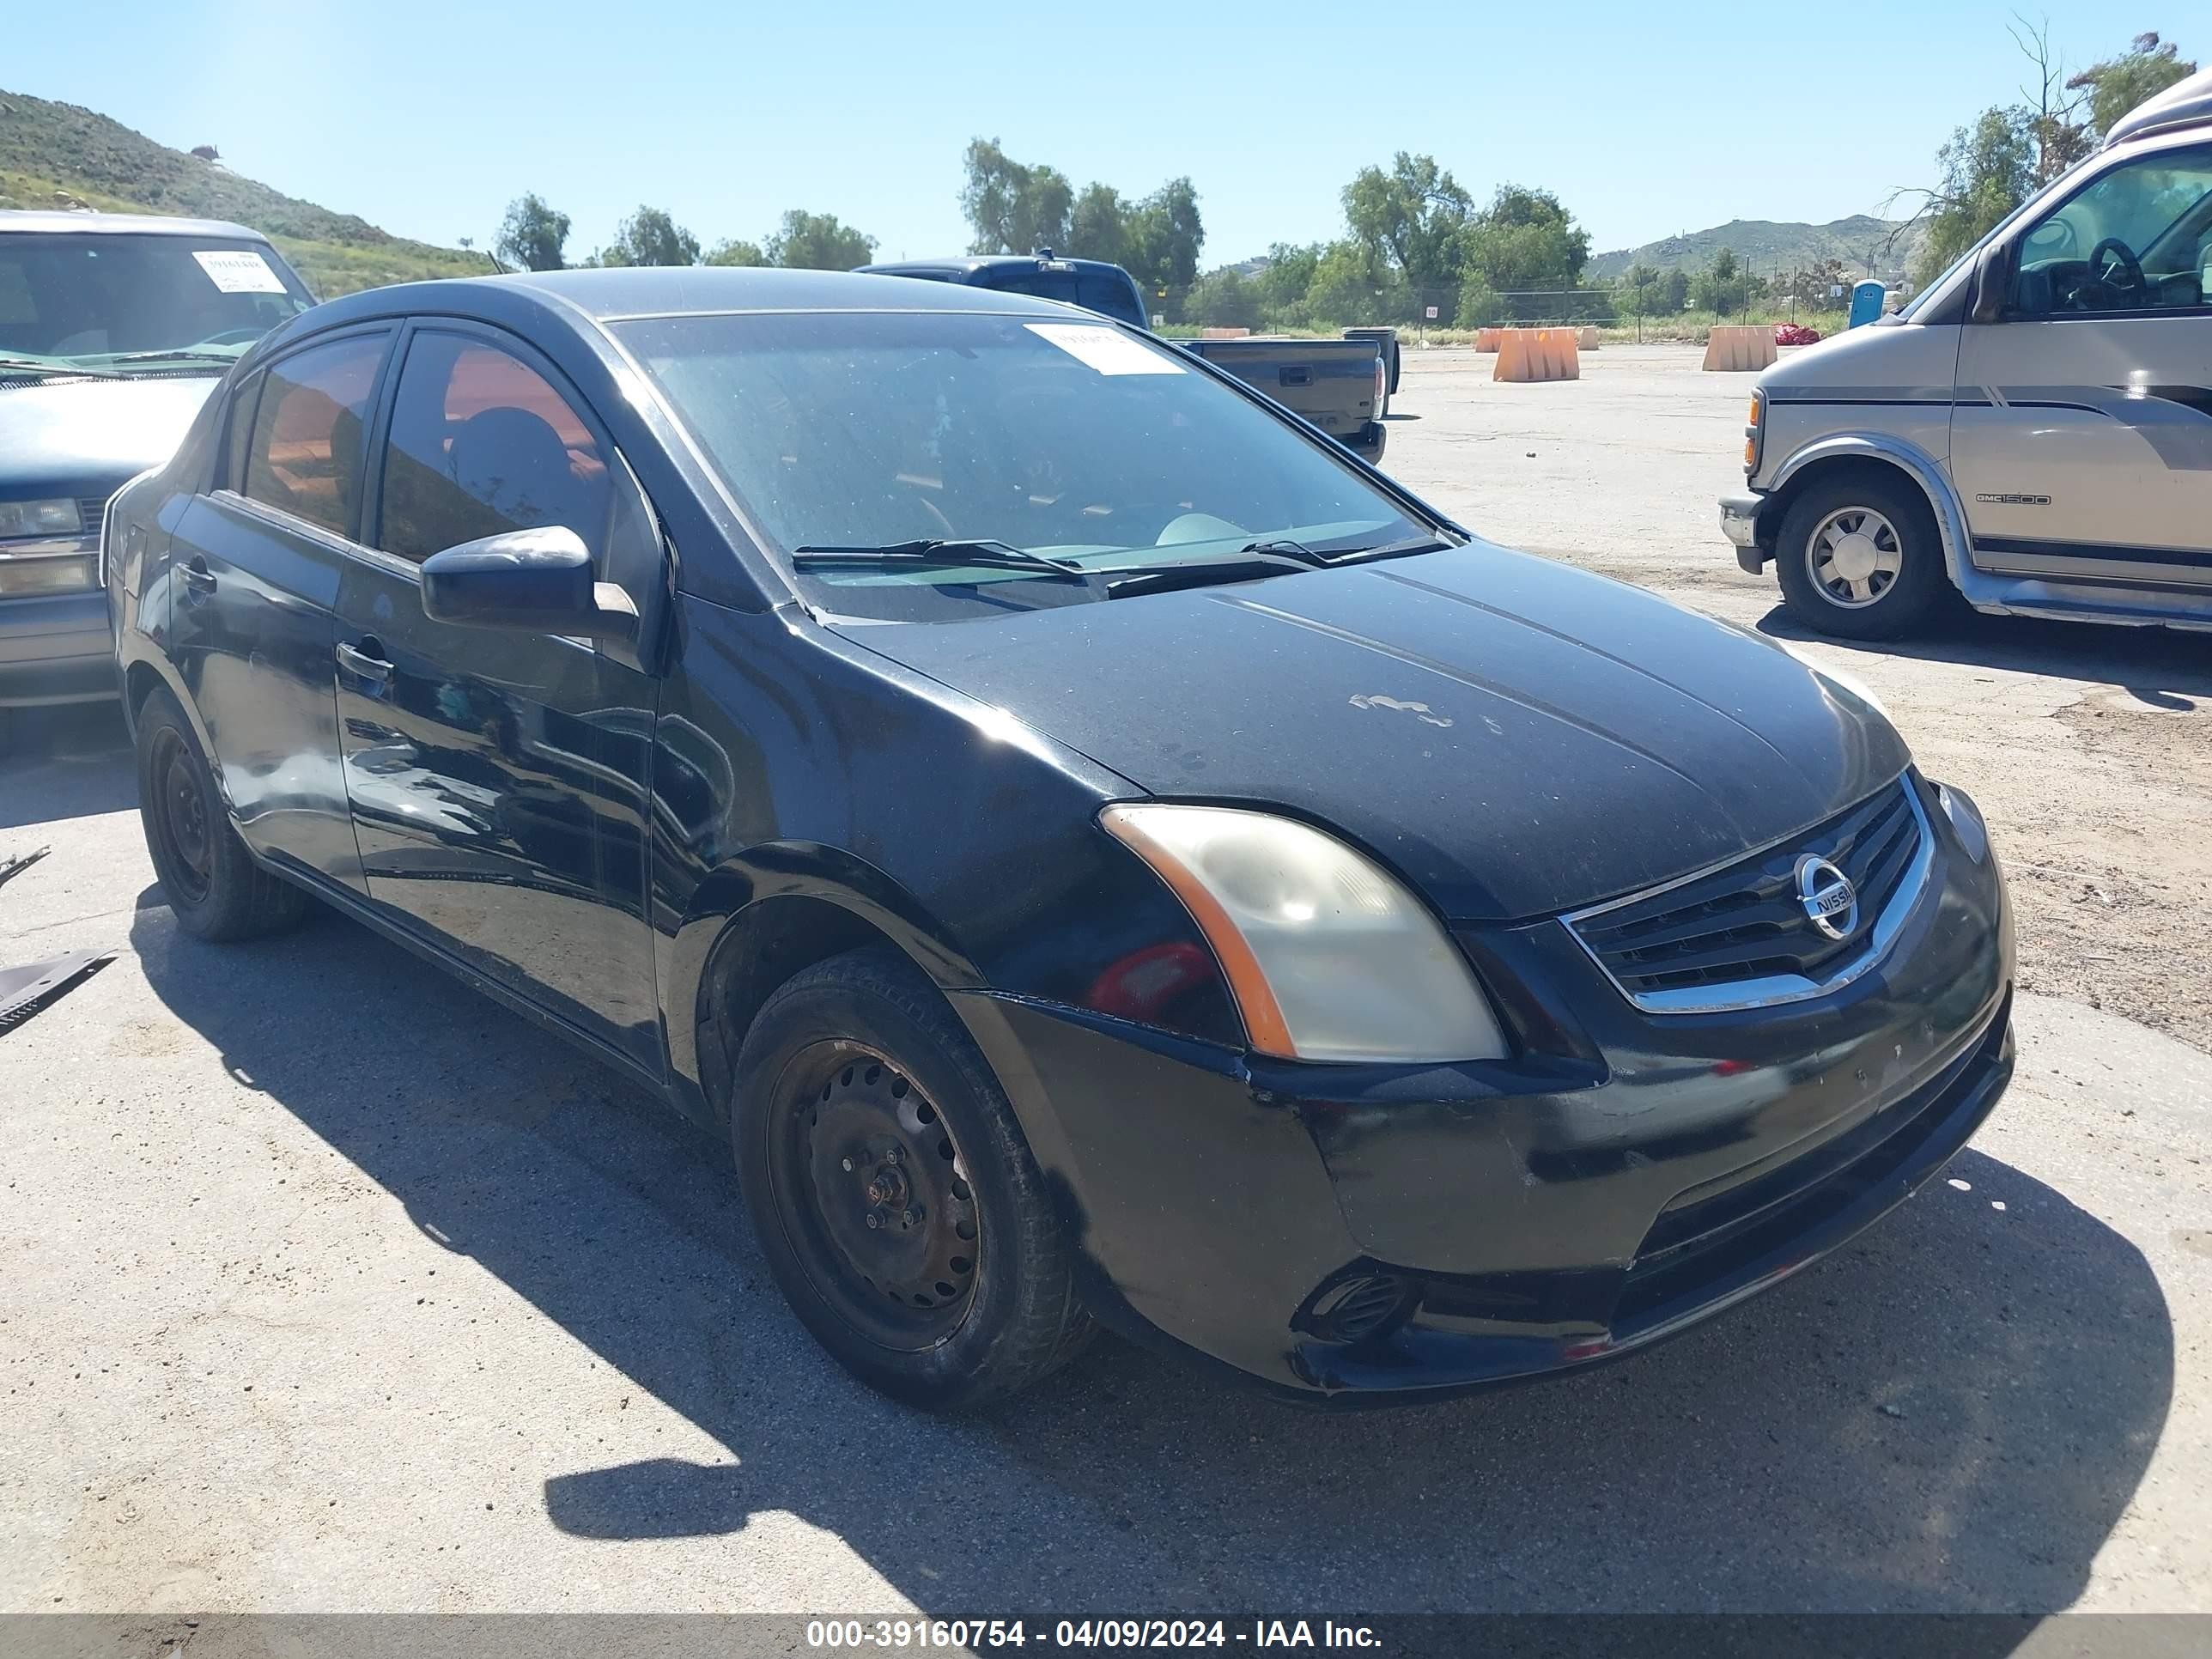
point(1223, 299)
point(816, 241)
point(1013, 208)
point(1286, 282)
point(1165, 235)
point(1098, 227)
point(532, 235)
point(1405, 219)
point(1813, 285)
point(650, 237)
point(1986, 171)
point(1480, 305)
point(2116, 86)
point(1523, 240)
point(733, 251)
point(1722, 288)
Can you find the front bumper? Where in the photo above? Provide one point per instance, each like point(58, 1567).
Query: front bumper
point(1348, 1234)
point(55, 649)
point(1739, 524)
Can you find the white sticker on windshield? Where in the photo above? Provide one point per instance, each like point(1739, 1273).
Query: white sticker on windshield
point(1106, 350)
point(239, 270)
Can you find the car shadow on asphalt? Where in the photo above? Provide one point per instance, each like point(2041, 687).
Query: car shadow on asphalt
point(1950, 1414)
point(2162, 668)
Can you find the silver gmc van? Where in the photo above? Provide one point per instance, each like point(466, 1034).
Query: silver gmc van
point(2032, 432)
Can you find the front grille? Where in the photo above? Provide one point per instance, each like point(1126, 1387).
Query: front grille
point(1739, 935)
point(91, 510)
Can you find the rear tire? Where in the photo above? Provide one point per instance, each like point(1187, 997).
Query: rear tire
point(858, 1099)
point(1859, 556)
point(212, 884)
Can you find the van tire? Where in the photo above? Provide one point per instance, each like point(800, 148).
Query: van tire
point(1850, 512)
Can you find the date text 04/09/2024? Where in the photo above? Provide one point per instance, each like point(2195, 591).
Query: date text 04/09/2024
point(987, 1633)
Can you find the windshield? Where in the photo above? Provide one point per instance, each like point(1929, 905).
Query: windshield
point(1081, 443)
point(126, 304)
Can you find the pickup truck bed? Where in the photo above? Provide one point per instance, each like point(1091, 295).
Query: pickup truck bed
point(1332, 383)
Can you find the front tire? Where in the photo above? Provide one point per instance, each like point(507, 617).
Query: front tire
point(212, 884)
point(1859, 557)
point(895, 1197)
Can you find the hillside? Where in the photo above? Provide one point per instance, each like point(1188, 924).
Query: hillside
point(57, 155)
point(1769, 246)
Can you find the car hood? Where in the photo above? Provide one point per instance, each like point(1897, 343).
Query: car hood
point(1517, 737)
point(84, 436)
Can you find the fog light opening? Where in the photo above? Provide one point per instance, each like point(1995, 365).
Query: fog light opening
point(1352, 1309)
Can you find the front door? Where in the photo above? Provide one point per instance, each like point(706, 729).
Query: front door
point(498, 779)
point(257, 565)
point(2081, 442)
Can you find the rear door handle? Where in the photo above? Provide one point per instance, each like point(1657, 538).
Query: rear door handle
point(365, 662)
point(199, 580)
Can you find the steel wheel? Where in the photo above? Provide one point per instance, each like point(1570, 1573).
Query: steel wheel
point(181, 817)
point(876, 1196)
point(1853, 557)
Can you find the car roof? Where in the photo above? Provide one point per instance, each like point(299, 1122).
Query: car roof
point(48, 221)
point(675, 290)
point(2186, 103)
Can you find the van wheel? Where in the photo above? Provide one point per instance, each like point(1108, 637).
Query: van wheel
point(894, 1195)
point(213, 885)
point(1859, 556)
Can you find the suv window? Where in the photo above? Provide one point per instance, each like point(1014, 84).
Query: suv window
point(482, 443)
point(2139, 238)
point(306, 453)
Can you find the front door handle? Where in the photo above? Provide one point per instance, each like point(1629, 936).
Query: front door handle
point(365, 662)
point(199, 580)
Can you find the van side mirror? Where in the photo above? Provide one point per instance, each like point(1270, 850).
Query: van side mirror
point(1992, 281)
point(530, 581)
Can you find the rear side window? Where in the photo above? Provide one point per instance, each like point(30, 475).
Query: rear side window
point(305, 454)
point(1109, 294)
point(483, 443)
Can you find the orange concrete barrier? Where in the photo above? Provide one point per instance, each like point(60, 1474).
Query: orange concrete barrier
point(1486, 339)
point(1222, 333)
point(1730, 350)
point(1586, 339)
point(1537, 354)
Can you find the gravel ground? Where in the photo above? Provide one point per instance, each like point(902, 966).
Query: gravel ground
point(327, 1286)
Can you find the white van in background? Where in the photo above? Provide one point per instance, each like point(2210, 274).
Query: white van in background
point(2034, 431)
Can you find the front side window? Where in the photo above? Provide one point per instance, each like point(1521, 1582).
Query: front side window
point(2137, 239)
point(125, 304)
point(305, 456)
point(482, 443)
point(1078, 441)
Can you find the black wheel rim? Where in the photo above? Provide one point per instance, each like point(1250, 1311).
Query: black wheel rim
point(874, 1196)
point(181, 818)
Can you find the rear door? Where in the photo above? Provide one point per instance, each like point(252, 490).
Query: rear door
point(2082, 441)
point(499, 779)
point(257, 564)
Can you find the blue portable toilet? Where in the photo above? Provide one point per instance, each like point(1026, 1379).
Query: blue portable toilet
point(1866, 303)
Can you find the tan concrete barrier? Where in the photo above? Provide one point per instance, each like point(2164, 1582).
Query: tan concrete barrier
point(1729, 349)
point(1222, 333)
point(1486, 339)
point(1586, 339)
point(1537, 354)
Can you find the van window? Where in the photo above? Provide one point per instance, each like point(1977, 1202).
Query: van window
point(2139, 238)
point(309, 431)
point(482, 443)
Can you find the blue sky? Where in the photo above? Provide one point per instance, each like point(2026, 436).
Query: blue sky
point(1646, 119)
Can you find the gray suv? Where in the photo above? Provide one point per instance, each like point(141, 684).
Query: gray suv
point(113, 328)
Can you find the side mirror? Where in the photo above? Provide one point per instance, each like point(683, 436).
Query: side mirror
point(1992, 280)
point(532, 581)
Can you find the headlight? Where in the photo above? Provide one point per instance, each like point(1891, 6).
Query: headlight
point(47, 572)
point(1328, 956)
point(1965, 819)
point(53, 518)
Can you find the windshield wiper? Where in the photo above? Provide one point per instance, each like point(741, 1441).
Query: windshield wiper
point(184, 354)
point(939, 554)
point(1257, 563)
point(40, 366)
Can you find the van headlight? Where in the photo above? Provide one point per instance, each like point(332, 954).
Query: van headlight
point(1328, 956)
point(58, 517)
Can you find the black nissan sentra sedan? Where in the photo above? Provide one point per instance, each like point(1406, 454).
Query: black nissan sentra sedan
point(1101, 852)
